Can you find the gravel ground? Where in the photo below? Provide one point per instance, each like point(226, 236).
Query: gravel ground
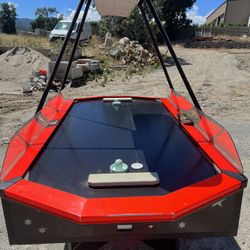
point(221, 80)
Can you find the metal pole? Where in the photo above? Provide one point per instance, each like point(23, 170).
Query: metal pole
point(57, 64)
point(145, 18)
point(172, 52)
point(76, 42)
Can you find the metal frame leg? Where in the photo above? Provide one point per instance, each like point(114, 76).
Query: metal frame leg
point(145, 18)
point(57, 64)
point(172, 52)
point(76, 42)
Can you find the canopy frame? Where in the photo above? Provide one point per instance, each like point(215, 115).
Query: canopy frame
point(141, 6)
point(146, 21)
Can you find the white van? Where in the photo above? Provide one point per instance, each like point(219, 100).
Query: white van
point(61, 29)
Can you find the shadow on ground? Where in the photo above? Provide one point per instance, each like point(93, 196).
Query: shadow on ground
point(228, 243)
point(224, 243)
point(170, 62)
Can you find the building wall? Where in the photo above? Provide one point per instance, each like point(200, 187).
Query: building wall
point(230, 31)
point(238, 12)
point(213, 18)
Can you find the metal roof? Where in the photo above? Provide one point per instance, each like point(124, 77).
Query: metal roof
point(115, 7)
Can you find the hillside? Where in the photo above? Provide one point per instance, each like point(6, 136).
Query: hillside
point(23, 24)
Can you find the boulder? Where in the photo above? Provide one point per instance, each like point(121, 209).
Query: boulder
point(130, 51)
point(124, 41)
point(116, 51)
point(27, 88)
point(144, 53)
point(139, 48)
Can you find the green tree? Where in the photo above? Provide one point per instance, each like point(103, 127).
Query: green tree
point(46, 18)
point(171, 12)
point(132, 27)
point(8, 18)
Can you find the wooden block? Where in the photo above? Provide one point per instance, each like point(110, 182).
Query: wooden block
point(123, 179)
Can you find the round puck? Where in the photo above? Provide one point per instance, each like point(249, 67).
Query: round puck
point(137, 166)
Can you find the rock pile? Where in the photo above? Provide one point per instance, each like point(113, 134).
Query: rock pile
point(76, 77)
point(131, 52)
point(38, 80)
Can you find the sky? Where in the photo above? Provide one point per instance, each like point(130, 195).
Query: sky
point(27, 8)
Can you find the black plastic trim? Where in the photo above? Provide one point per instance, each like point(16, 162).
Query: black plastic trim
point(6, 184)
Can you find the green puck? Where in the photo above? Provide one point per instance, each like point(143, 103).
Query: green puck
point(119, 167)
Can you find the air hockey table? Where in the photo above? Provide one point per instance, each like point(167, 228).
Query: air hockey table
point(47, 197)
point(85, 171)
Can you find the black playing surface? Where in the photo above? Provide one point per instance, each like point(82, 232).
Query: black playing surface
point(94, 135)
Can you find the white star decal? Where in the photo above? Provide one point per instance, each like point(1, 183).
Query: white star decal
point(182, 225)
point(27, 222)
point(218, 203)
point(42, 230)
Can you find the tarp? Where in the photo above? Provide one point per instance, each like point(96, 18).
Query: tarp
point(121, 8)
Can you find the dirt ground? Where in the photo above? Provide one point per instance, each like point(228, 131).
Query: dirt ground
point(220, 41)
point(220, 78)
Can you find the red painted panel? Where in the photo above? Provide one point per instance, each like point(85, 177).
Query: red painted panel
point(179, 102)
point(28, 142)
point(60, 103)
point(209, 135)
point(15, 151)
point(34, 133)
point(48, 199)
point(116, 210)
point(168, 207)
point(20, 167)
point(52, 114)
